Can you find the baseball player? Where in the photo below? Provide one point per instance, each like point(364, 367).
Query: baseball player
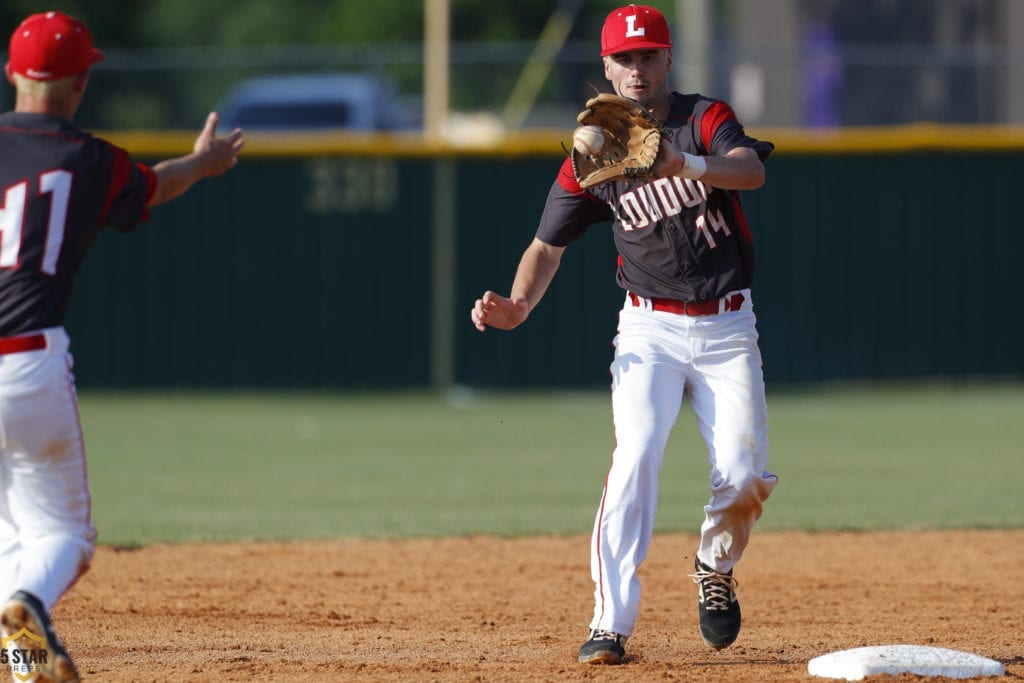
point(686, 263)
point(59, 186)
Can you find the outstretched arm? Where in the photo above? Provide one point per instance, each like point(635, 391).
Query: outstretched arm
point(536, 269)
point(211, 156)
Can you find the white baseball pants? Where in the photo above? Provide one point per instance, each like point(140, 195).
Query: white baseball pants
point(46, 537)
point(715, 360)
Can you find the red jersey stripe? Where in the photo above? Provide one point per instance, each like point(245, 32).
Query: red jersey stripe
point(121, 168)
point(717, 114)
point(567, 179)
point(740, 217)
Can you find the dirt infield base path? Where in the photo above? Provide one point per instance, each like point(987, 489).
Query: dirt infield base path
point(492, 609)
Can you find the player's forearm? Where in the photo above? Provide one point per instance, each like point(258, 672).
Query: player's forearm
point(734, 172)
point(175, 176)
point(740, 169)
point(536, 270)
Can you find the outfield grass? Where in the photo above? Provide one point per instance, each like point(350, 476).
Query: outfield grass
point(182, 466)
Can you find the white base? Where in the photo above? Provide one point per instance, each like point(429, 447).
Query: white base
point(853, 665)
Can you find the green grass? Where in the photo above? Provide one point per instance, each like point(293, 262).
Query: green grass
point(183, 466)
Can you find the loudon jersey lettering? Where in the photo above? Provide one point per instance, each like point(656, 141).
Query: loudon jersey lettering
point(649, 203)
point(665, 198)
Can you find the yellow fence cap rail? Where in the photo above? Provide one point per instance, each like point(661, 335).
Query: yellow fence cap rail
point(544, 142)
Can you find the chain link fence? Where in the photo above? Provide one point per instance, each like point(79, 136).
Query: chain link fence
point(814, 84)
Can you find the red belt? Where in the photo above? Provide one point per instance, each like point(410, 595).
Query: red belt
point(31, 342)
point(723, 305)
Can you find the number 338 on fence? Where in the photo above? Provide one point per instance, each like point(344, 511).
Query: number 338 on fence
point(351, 186)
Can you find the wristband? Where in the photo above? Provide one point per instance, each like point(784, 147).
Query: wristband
point(694, 167)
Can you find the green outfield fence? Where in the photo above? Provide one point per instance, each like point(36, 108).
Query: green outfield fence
point(345, 262)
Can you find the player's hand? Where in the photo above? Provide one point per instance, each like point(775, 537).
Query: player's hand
point(217, 154)
point(493, 310)
point(669, 161)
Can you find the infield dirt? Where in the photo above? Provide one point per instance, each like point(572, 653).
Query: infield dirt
point(495, 609)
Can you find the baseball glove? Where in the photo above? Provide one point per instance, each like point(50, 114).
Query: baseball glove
point(632, 136)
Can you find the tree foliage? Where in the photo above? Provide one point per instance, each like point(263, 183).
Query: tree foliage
point(169, 61)
point(200, 23)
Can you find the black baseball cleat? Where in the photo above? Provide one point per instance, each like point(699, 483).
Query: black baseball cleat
point(718, 608)
point(26, 620)
point(603, 647)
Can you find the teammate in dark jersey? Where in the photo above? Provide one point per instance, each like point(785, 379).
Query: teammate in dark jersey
point(686, 262)
point(59, 186)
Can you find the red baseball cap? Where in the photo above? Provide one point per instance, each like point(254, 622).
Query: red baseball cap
point(634, 27)
point(51, 45)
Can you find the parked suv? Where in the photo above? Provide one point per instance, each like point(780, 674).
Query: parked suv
point(315, 102)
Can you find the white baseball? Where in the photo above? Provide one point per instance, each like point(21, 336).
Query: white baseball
point(588, 140)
